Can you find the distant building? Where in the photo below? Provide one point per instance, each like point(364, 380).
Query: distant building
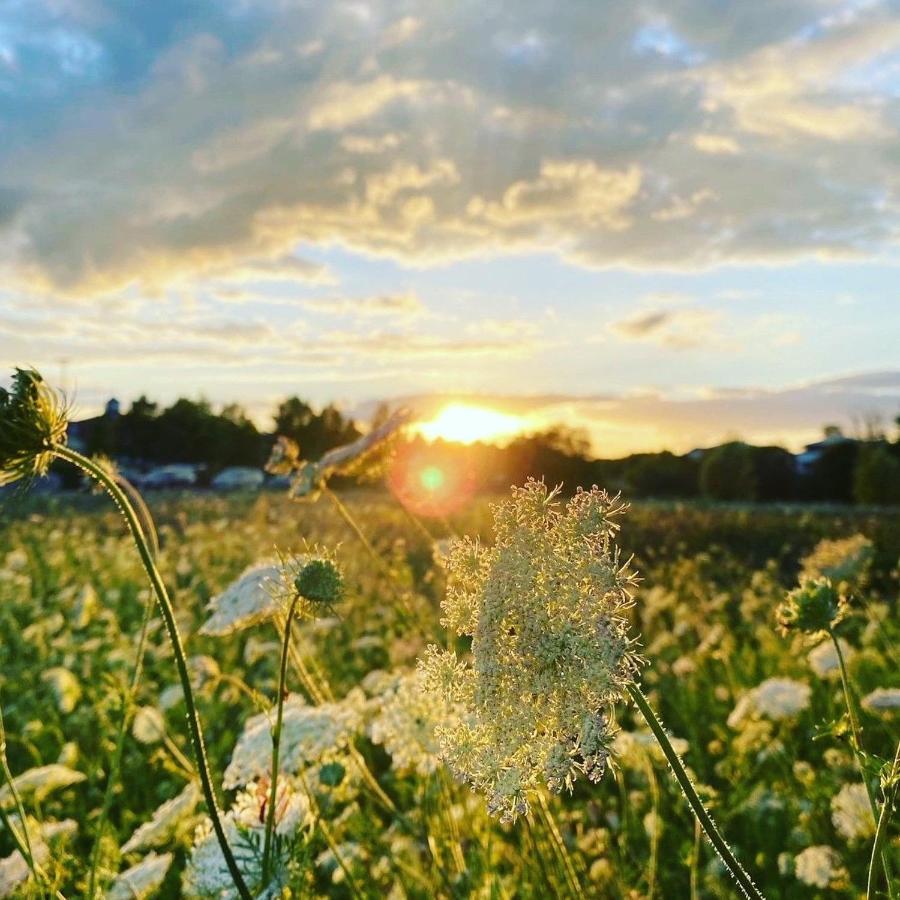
point(806, 461)
point(80, 434)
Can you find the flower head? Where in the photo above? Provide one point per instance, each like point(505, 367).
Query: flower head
point(844, 560)
point(550, 646)
point(852, 814)
point(320, 581)
point(812, 607)
point(33, 417)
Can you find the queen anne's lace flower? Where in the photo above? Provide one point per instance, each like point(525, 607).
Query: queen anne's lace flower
point(65, 686)
point(774, 698)
point(819, 866)
point(405, 721)
point(41, 781)
point(308, 733)
point(248, 601)
point(550, 646)
point(851, 813)
point(14, 871)
point(882, 700)
point(823, 659)
point(846, 559)
point(142, 880)
point(165, 821)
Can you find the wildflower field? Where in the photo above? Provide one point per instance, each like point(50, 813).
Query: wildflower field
point(366, 803)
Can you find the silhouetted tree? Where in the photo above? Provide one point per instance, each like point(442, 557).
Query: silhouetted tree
point(728, 473)
point(876, 478)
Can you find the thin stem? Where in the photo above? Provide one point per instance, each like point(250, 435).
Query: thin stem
point(168, 613)
point(857, 739)
point(695, 862)
point(276, 742)
point(114, 769)
point(559, 846)
point(690, 792)
point(890, 793)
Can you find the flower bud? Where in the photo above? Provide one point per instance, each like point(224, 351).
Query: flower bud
point(813, 607)
point(320, 581)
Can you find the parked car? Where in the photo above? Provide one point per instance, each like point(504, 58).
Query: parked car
point(178, 475)
point(238, 478)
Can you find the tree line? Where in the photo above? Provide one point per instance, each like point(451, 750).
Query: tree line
point(191, 431)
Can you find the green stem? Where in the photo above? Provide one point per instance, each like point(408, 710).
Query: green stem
point(857, 739)
point(115, 768)
point(744, 881)
point(168, 613)
point(276, 742)
point(890, 793)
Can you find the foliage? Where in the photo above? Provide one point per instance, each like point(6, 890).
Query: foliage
point(728, 473)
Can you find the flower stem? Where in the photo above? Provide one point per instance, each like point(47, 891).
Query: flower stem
point(276, 742)
point(165, 604)
point(890, 794)
point(857, 739)
point(744, 881)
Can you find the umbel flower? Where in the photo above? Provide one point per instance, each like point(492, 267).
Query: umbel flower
point(33, 418)
point(550, 647)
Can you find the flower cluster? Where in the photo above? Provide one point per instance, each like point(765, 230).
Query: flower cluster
point(774, 698)
point(844, 560)
point(550, 646)
point(33, 417)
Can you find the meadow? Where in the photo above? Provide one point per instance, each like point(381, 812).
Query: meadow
point(366, 808)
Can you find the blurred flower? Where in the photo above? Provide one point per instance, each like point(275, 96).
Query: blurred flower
point(823, 659)
point(292, 808)
point(165, 821)
point(851, 813)
point(635, 749)
point(846, 559)
point(14, 871)
point(149, 726)
point(41, 781)
point(405, 723)
point(247, 601)
point(550, 646)
point(65, 687)
point(813, 607)
point(308, 733)
point(310, 476)
point(882, 700)
point(819, 866)
point(141, 881)
point(774, 698)
point(33, 417)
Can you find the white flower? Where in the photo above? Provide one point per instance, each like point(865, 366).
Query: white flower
point(823, 659)
point(41, 781)
point(308, 732)
point(818, 866)
point(405, 723)
point(882, 700)
point(164, 821)
point(65, 687)
point(247, 601)
point(207, 873)
point(852, 814)
point(846, 559)
point(774, 698)
point(149, 726)
point(142, 880)
point(634, 749)
point(14, 871)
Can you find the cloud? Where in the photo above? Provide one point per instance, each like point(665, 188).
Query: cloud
point(403, 305)
point(153, 143)
point(675, 328)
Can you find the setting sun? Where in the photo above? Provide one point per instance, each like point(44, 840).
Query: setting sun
point(466, 424)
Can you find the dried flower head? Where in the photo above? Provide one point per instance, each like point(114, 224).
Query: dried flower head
point(550, 646)
point(811, 608)
point(33, 417)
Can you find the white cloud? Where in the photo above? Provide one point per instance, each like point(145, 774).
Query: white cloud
point(607, 132)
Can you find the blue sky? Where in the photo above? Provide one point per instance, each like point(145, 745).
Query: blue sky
point(669, 223)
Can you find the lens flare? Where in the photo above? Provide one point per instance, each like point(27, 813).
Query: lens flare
point(462, 423)
point(431, 482)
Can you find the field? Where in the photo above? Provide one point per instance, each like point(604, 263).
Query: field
point(375, 814)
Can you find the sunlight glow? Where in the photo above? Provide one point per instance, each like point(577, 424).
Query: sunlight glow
point(465, 424)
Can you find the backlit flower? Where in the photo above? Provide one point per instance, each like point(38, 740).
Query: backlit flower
point(550, 647)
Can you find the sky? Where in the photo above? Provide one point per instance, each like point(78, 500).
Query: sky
point(668, 223)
